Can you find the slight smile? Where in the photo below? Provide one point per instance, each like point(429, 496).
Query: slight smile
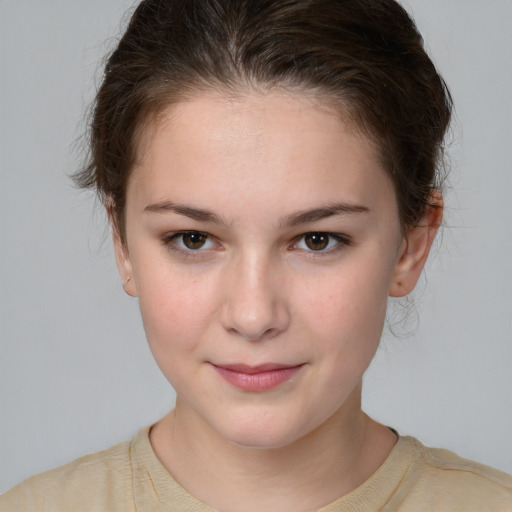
point(257, 378)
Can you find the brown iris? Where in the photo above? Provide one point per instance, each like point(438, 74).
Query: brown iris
point(316, 241)
point(194, 240)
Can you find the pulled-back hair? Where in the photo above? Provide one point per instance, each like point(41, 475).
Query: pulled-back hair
point(364, 56)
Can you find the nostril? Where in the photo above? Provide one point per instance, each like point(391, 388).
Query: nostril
point(268, 334)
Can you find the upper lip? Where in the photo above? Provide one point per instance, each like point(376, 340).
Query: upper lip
point(245, 368)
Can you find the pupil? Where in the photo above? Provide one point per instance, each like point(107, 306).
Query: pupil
point(317, 241)
point(194, 240)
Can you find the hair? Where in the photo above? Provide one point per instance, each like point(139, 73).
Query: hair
point(364, 56)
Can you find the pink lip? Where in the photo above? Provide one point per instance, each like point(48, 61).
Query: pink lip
point(257, 378)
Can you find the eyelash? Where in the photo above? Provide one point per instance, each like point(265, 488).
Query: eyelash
point(342, 241)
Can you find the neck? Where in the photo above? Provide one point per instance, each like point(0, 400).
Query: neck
point(306, 475)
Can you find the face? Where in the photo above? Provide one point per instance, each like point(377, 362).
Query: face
point(262, 240)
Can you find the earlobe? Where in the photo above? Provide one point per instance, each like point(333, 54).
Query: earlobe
point(415, 248)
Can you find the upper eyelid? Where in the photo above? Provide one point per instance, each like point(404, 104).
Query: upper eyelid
point(181, 232)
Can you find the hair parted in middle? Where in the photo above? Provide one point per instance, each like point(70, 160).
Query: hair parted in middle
point(363, 58)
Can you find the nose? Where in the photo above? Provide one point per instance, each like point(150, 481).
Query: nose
point(255, 302)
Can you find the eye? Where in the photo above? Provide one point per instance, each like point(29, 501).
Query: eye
point(189, 241)
point(318, 241)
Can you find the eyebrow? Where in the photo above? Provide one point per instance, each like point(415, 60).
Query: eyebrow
point(316, 214)
point(295, 219)
point(199, 214)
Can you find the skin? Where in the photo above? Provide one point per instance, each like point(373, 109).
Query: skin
point(243, 171)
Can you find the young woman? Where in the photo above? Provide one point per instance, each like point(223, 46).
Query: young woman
point(271, 172)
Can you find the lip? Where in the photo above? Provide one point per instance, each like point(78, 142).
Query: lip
point(257, 378)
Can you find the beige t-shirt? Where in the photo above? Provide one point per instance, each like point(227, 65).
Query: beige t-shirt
point(128, 477)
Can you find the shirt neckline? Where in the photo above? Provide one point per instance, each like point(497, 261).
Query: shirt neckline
point(155, 489)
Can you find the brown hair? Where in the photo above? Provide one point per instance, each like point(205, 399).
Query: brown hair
point(366, 56)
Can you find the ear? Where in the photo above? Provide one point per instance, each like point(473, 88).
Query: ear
point(124, 264)
point(416, 247)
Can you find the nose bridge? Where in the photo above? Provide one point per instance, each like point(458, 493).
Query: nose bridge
point(255, 305)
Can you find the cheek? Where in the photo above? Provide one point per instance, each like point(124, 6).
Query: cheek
point(347, 310)
point(176, 308)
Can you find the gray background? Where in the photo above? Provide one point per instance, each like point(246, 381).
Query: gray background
point(75, 372)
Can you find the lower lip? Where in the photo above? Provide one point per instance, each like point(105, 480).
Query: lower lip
point(260, 381)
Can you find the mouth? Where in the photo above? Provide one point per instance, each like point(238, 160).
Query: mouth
point(257, 378)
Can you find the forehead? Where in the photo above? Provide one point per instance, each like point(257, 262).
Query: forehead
point(276, 145)
point(244, 109)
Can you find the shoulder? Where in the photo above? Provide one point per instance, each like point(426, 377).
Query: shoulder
point(99, 481)
point(449, 482)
